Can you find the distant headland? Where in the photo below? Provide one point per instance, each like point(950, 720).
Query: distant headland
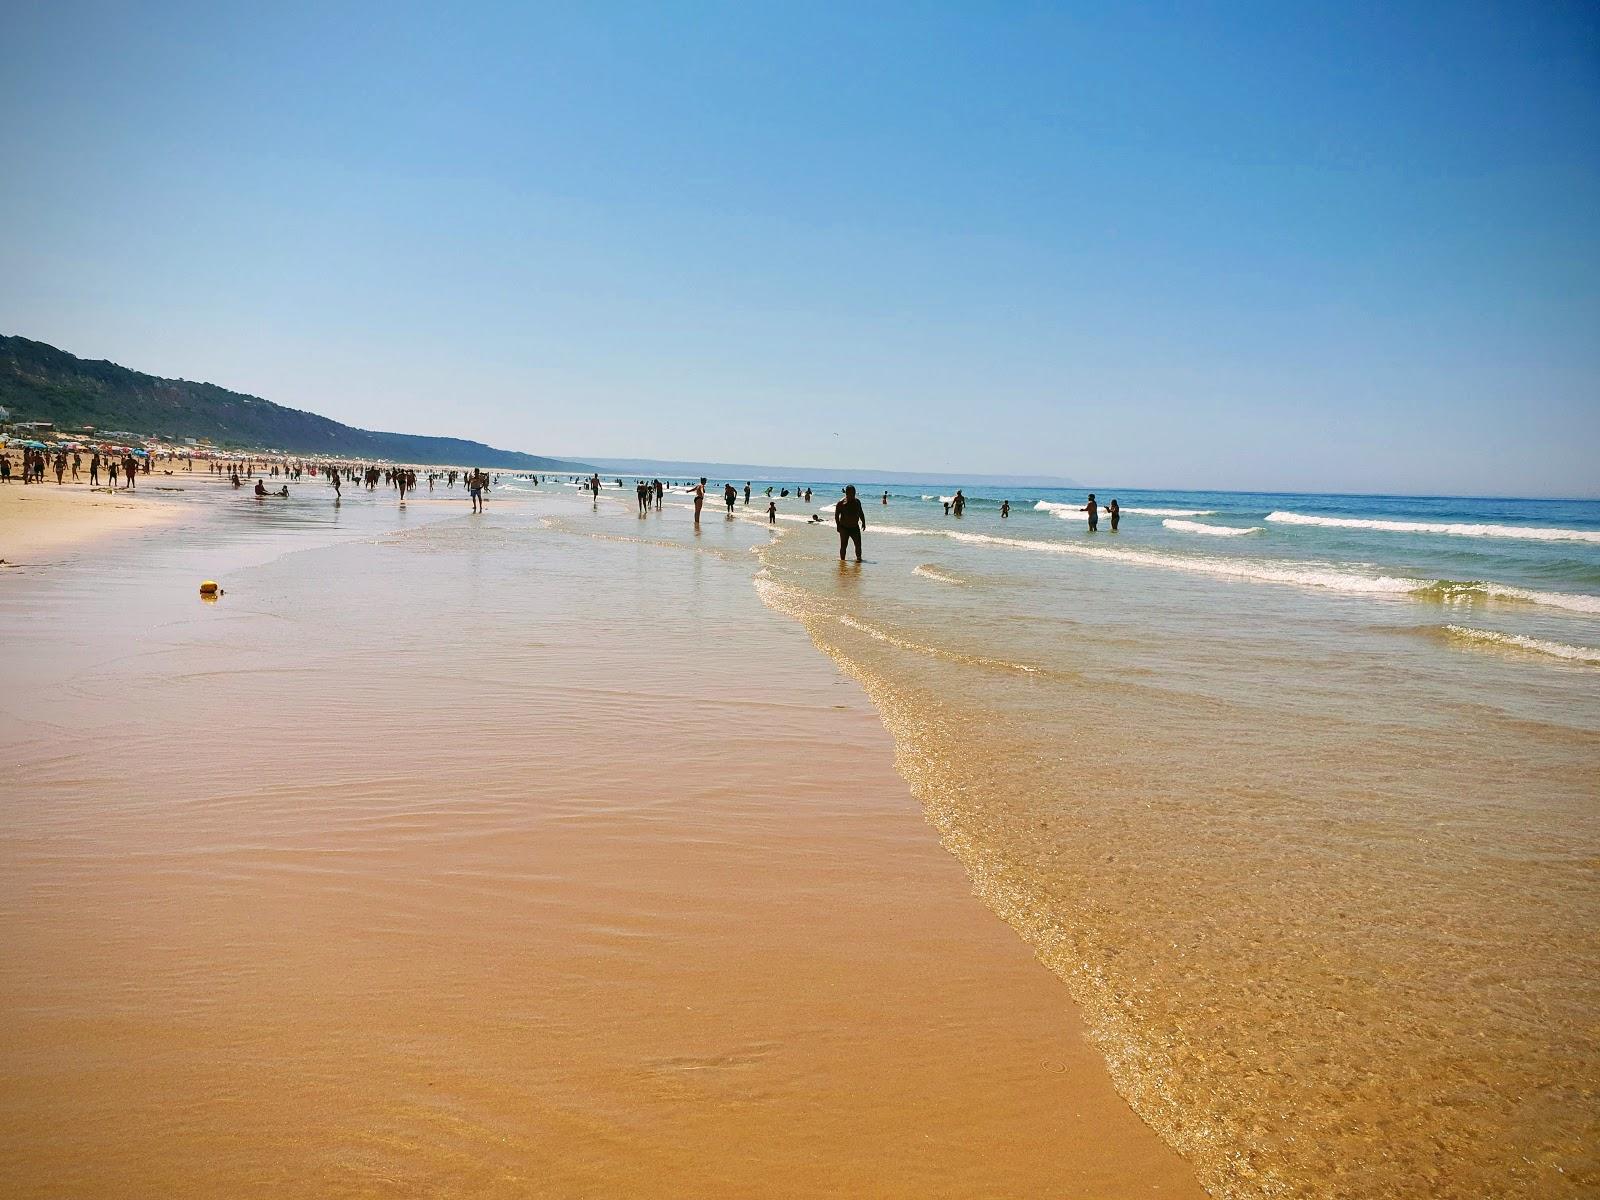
point(38, 382)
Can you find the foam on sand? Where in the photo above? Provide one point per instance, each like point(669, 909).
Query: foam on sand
point(1533, 533)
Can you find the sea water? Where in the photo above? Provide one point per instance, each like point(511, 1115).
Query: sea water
point(1296, 793)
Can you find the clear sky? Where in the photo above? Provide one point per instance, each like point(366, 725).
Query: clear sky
point(1321, 246)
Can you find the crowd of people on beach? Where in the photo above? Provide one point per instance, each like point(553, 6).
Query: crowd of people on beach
point(36, 465)
point(121, 471)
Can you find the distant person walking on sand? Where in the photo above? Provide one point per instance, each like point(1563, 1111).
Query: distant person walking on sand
point(475, 490)
point(1115, 510)
point(849, 520)
point(699, 498)
point(1093, 510)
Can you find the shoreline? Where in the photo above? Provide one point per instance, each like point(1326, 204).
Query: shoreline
point(745, 955)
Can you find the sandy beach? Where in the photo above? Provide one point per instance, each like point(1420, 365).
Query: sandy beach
point(524, 855)
point(40, 519)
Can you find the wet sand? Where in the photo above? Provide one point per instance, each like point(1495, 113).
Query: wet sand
point(498, 857)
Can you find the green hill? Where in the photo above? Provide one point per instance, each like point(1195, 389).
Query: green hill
point(40, 383)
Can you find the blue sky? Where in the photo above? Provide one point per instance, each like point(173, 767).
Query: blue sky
point(1351, 247)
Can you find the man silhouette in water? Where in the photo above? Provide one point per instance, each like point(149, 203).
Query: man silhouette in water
point(1093, 510)
point(849, 520)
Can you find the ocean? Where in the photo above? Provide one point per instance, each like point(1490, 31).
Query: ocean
point(1296, 793)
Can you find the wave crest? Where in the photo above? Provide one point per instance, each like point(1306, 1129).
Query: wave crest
point(1534, 533)
point(1516, 641)
point(1211, 530)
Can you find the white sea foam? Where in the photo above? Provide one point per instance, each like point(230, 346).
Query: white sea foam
point(1324, 576)
point(1068, 510)
point(1210, 530)
point(1534, 533)
point(1493, 639)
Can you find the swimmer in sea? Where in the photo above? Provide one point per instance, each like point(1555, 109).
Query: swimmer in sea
point(1115, 511)
point(1005, 509)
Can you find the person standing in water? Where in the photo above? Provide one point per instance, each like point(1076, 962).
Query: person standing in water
point(849, 520)
point(886, 497)
point(1093, 510)
point(772, 512)
point(959, 503)
point(747, 493)
point(1115, 511)
point(699, 498)
point(1005, 509)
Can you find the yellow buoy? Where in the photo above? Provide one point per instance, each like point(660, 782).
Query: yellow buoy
point(209, 588)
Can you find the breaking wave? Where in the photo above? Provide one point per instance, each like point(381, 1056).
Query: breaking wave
point(1211, 530)
point(1515, 641)
point(1323, 576)
point(1534, 533)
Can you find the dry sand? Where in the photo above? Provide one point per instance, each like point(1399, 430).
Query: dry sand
point(44, 518)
